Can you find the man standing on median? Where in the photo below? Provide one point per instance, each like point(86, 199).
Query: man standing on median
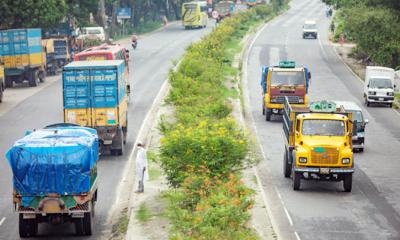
point(141, 167)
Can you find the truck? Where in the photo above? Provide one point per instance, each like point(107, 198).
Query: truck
point(359, 123)
point(284, 80)
point(224, 9)
point(318, 143)
point(57, 53)
point(2, 85)
point(379, 85)
point(94, 95)
point(54, 173)
point(23, 56)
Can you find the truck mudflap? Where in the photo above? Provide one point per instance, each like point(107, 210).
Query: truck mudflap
point(321, 170)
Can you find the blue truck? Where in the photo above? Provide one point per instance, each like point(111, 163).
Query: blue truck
point(23, 56)
point(94, 95)
point(55, 177)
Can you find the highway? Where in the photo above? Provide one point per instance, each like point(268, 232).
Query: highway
point(321, 210)
point(152, 60)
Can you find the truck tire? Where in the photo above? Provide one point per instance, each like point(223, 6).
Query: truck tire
point(296, 181)
point(78, 222)
point(263, 108)
point(8, 82)
point(117, 147)
point(287, 167)
point(390, 105)
point(27, 227)
point(1, 92)
point(88, 223)
point(268, 114)
point(42, 76)
point(347, 182)
point(125, 130)
point(33, 78)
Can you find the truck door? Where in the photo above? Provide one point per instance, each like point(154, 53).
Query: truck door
point(77, 97)
point(104, 97)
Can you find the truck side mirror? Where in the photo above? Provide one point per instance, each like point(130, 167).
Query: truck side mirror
point(368, 85)
point(366, 121)
point(395, 86)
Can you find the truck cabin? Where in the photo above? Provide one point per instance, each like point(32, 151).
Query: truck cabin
point(224, 8)
point(286, 80)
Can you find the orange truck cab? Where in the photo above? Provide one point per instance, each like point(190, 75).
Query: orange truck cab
point(284, 80)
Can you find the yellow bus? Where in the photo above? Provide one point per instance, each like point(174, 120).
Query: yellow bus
point(194, 14)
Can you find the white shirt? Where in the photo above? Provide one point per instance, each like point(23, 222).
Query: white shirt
point(141, 163)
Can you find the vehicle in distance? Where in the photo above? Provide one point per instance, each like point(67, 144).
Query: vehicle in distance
point(92, 33)
point(55, 178)
point(310, 29)
point(94, 95)
point(318, 142)
point(284, 80)
point(224, 9)
point(194, 14)
point(379, 85)
point(359, 123)
point(23, 56)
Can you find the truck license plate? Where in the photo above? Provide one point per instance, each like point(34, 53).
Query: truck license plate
point(381, 99)
point(324, 171)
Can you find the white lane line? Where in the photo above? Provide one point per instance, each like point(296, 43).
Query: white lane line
point(2, 221)
point(288, 216)
point(297, 236)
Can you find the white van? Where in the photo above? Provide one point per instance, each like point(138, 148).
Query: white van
point(379, 85)
point(310, 29)
point(359, 123)
point(92, 33)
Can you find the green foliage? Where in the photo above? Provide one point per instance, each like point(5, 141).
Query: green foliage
point(143, 214)
point(81, 10)
point(211, 208)
point(32, 13)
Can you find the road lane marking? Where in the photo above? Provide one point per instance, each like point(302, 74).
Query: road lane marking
point(288, 216)
point(297, 236)
point(2, 221)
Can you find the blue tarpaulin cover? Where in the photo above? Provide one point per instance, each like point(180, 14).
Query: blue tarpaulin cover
point(56, 160)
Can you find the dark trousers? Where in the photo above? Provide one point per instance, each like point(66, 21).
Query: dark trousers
point(141, 183)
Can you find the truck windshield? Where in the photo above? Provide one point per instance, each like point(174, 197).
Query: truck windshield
point(323, 128)
point(357, 116)
point(310, 26)
point(280, 78)
point(380, 83)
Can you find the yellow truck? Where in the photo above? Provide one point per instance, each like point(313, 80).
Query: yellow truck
point(194, 14)
point(23, 56)
point(95, 96)
point(2, 86)
point(318, 143)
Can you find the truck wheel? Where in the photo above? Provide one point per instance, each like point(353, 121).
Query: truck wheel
point(287, 167)
point(42, 76)
point(27, 227)
point(8, 82)
point(366, 101)
point(125, 131)
point(390, 105)
point(347, 182)
point(117, 147)
point(33, 78)
point(78, 222)
point(263, 108)
point(268, 114)
point(1, 92)
point(87, 223)
point(296, 181)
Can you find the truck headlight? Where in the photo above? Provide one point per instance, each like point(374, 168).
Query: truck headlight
point(371, 92)
point(390, 94)
point(301, 100)
point(303, 160)
point(346, 160)
point(273, 100)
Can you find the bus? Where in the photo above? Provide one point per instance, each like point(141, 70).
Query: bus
point(194, 14)
point(106, 52)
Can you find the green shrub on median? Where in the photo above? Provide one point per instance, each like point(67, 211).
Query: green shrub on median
point(204, 150)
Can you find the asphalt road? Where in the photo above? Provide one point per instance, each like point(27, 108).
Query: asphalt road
point(152, 60)
point(321, 210)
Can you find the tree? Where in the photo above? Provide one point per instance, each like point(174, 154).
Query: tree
point(81, 10)
point(31, 13)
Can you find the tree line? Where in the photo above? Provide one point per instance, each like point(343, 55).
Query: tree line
point(374, 25)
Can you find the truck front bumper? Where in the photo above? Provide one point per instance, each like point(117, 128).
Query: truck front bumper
point(277, 108)
point(381, 99)
point(321, 170)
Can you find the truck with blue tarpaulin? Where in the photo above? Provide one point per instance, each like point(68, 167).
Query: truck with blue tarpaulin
point(23, 56)
point(55, 177)
point(94, 95)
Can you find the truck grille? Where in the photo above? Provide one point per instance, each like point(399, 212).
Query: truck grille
point(25, 209)
point(292, 99)
point(329, 156)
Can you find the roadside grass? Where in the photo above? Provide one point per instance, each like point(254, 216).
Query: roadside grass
point(122, 225)
point(143, 214)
